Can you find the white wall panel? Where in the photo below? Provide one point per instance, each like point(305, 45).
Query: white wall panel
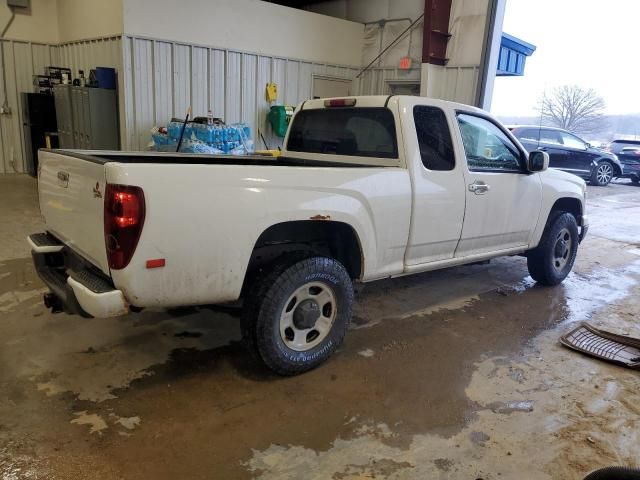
point(231, 83)
point(199, 81)
point(291, 83)
point(304, 80)
point(217, 82)
point(127, 112)
point(278, 76)
point(88, 54)
point(11, 125)
point(143, 91)
point(233, 96)
point(22, 61)
point(263, 77)
point(249, 98)
point(163, 82)
point(181, 79)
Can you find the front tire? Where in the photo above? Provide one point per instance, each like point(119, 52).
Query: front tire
point(602, 174)
point(552, 260)
point(296, 316)
point(635, 180)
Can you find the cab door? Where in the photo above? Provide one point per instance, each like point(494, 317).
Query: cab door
point(503, 200)
point(438, 183)
point(580, 160)
point(559, 156)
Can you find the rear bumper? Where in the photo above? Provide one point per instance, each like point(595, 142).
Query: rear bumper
point(76, 287)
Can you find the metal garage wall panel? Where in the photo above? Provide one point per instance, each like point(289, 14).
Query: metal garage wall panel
point(143, 91)
point(217, 62)
point(319, 69)
point(278, 76)
point(304, 81)
point(41, 57)
point(456, 83)
point(25, 59)
point(88, 54)
point(229, 82)
point(291, 83)
point(249, 99)
point(12, 148)
point(233, 97)
point(129, 107)
point(162, 82)
point(263, 77)
point(181, 79)
point(199, 81)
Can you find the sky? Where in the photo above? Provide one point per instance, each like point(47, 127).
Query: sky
point(590, 43)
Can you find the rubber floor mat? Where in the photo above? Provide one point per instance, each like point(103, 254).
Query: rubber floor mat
point(607, 346)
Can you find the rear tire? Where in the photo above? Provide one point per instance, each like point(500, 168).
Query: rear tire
point(552, 260)
point(296, 316)
point(602, 174)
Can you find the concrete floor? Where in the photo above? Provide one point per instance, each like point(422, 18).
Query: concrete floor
point(451, 374)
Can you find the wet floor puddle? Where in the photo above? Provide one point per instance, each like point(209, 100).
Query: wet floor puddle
point(393, 380)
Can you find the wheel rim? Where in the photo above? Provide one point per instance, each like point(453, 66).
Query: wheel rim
point(562, 249)
point(604, 173)
point(307, 316)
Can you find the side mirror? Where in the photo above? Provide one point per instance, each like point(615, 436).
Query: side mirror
point(538, 161)
point(587, 145)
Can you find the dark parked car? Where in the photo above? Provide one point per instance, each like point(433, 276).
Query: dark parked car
point(628, 151)
point(570, 153)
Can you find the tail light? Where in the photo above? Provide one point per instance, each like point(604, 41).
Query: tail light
point(124, 212)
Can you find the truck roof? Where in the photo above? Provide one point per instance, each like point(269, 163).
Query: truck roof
point(384, 100)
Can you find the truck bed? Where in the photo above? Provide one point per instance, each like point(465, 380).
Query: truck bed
point(106, 156)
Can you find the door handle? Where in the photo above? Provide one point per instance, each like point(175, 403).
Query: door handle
point(479, 188)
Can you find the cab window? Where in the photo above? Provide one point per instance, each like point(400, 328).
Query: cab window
point(532, 134)
point(434, 138)
point(572, 141)
point(486, 146)
point(550, 136)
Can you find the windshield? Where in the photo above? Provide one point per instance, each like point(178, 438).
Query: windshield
point(362, 132)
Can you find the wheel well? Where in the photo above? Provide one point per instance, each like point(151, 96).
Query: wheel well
point(616, 169)
point(307, 237)
point(570, 205)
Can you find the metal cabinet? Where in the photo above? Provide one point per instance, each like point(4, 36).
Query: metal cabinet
point(91, 113)
point(64, 118)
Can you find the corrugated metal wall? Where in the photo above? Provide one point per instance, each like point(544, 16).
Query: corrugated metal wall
point(88, 54)
point(162, 79)
point(22, 61)
point(457, 84)
point(25, 59)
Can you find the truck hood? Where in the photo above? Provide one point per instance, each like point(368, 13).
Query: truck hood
point(559, 175)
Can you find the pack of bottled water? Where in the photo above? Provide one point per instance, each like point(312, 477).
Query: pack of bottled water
point(212, 137)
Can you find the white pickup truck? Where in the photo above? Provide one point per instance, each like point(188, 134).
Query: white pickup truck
point(366, 188)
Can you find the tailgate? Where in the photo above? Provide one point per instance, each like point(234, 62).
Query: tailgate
point(71, 191)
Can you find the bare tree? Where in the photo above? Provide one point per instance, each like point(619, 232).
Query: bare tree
point(574, 108)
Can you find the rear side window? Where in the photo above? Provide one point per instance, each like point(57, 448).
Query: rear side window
point(617, 145)
point(528, 134)
point(362, 132)
point(550, 136)
point(434, 138)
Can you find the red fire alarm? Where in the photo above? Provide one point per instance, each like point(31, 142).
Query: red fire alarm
point(405, 63)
